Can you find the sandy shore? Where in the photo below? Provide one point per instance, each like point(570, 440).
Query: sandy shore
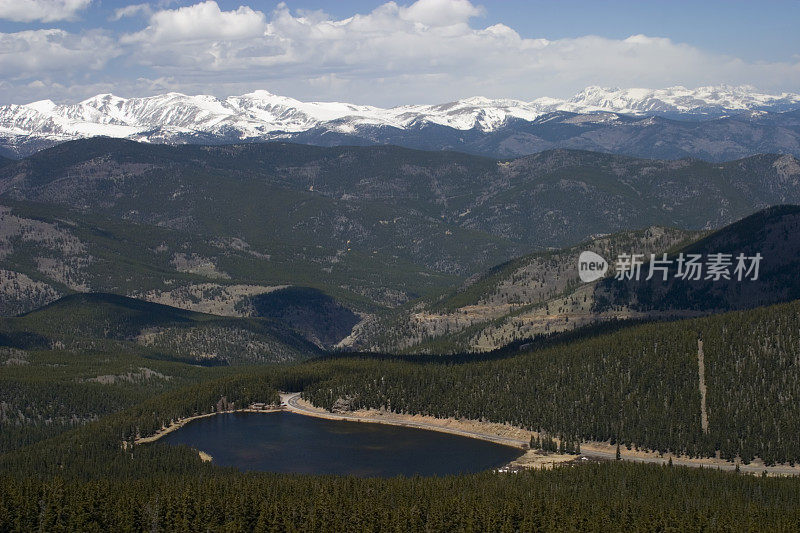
point(504, 434)
point(519, 437)
point(498, 433)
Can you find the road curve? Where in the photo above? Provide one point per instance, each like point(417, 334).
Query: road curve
point(290, 402)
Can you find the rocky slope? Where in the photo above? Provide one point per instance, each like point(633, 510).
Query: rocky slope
point(541, 293)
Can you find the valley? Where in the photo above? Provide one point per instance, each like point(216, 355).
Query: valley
point(219, 225)
point(399, 266)
point(147, 286)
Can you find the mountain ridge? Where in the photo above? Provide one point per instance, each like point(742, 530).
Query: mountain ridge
point(100, 321)
point(260, 115)
point(373, 227)
point(540, 293)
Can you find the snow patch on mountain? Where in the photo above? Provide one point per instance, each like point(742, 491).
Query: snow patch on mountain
point(173, 117)
point(711, 100)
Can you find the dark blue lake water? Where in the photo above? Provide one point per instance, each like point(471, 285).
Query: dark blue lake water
point(287, 442)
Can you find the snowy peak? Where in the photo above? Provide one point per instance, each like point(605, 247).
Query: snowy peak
point(262, 115)
point(476, 112)
point(715, 100)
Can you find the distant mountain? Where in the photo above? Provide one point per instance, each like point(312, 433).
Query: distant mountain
point(311, 312)
point(703, 101)
point(102, 321)
point(541, 293)
point(451, 212)
point(47, 251)
point(211, 228)
point(611, 120)
point(772, 233)
point(531, 295)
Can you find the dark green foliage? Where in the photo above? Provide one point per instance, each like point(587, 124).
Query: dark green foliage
point(597, 497)
point(307, 310)
point(635, 387)
point(109, 322)
point(773, 233)
point(104, 447)
point(45, 393)
point(100, 316)
point(638, 386)
point(378, 221)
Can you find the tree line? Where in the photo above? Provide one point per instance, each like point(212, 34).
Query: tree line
point(594, 497)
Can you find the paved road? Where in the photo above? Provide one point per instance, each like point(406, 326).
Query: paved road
point(290, 401)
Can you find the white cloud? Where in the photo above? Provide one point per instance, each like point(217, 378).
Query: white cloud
point(41, 10)
point(440, 12)
point(201, 22)
point(425, 51)
point(44, 53)
point(132, 10)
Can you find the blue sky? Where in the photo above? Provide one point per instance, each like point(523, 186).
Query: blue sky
point(753, 30)
point(383, 53)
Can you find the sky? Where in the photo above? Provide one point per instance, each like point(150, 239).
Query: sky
point(390, 53)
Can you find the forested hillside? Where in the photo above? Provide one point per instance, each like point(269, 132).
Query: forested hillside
point(419, 288)
point(542, 292)
point(771, 233)
point(566, 195)
point(587, 498)
point(88, 355)
point(326, 211)
point(382, 232)
point(638, 386)
point(385, 223)
point(267, 254)
point(44, 393)
point(531, 295)
point(105, 322)
point(47, 251)
point(311, 312)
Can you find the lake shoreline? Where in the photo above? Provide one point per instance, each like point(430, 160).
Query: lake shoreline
point(518, 437)
point(529, 459)
point(502, 434)
point(178, 424)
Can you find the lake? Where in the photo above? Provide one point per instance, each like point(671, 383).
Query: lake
point(292, 443)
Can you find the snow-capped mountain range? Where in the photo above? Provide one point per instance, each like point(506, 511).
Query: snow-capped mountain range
point(261, 115)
